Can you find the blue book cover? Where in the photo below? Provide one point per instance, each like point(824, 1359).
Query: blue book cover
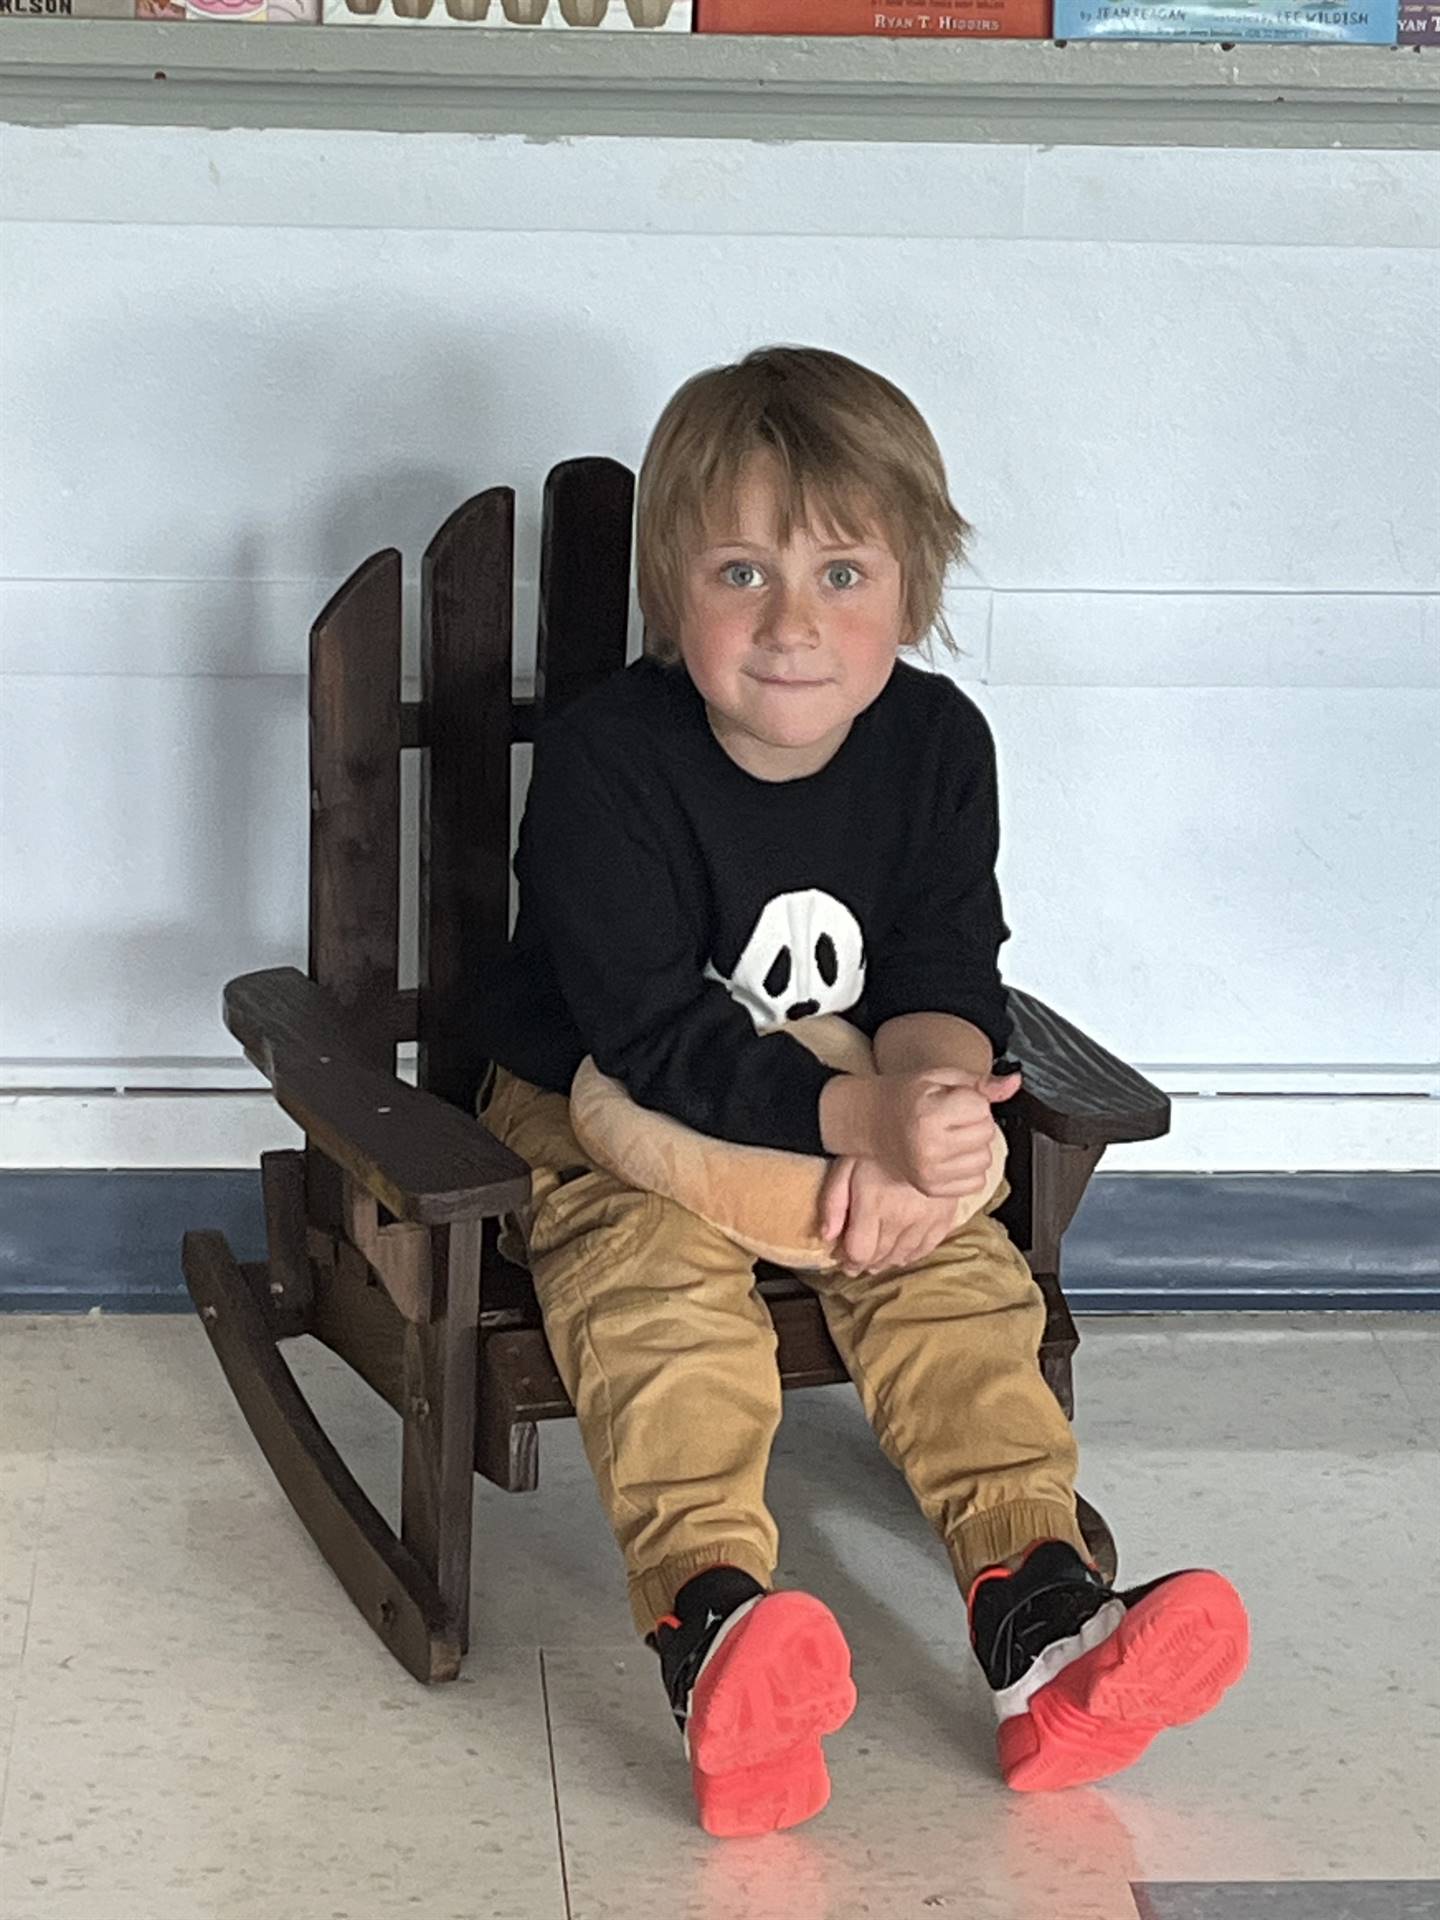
point(1375, 22)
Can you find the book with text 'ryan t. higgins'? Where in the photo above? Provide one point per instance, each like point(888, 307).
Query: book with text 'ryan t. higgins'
point(958, 20)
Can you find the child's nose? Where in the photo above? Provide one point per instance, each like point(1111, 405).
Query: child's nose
point(789, 619)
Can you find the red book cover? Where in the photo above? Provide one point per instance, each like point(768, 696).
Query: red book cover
point(955, 20)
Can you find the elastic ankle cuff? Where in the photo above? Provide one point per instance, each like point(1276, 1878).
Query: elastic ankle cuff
point(652, 1595)
point(987, 1538)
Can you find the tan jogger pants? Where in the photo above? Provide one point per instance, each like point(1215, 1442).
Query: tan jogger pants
point(668, 1352)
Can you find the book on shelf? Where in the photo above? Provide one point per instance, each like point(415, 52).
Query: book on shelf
point(280, 13)
point(958, 20)
point(592, 16)
point(1373, 22)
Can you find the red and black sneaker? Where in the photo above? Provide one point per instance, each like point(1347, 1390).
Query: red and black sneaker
point(1084, 1676)
point(755, 1680)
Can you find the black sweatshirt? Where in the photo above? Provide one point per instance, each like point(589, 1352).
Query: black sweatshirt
point(673, 905)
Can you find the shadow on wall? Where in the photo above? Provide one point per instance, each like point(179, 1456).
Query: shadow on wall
point(247, 840)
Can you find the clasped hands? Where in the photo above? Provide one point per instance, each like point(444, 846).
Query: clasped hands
point(891, 1209)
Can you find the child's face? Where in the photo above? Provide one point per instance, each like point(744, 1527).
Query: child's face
point(787, 644)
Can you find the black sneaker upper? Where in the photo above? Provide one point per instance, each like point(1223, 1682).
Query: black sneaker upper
point(702, 1607)
point(1015, 1618)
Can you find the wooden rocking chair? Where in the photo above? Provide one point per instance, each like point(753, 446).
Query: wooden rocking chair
point(382, 1232)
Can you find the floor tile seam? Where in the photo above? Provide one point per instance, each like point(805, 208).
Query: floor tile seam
point(1428, 1426)
point(554, 1783)
point(18, 1693)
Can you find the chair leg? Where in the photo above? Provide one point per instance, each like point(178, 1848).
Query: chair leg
point(438, 1469)
point(1057, 1355)
point(282, 1182)
point(1058, 1374)
point(1099, 1539)
point(507, 1449)
point(382, 1575)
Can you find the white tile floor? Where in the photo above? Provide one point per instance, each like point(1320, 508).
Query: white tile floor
point(193, 1723)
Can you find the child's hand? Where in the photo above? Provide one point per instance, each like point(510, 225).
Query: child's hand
point(886, 1222)
point(935, 1129)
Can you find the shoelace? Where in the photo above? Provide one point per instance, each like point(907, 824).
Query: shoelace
point(1007, 1633)
point(683, 1678)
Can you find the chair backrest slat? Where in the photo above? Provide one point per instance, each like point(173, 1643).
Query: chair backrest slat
point(467, 617)
point(355, 799)
point(414, 726)
point(465, 724)
point(584, 580)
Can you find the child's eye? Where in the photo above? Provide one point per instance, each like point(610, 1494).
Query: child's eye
point(733, 573)
point(842, 574)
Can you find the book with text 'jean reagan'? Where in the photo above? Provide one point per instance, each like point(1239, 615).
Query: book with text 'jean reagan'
point(1374, 22)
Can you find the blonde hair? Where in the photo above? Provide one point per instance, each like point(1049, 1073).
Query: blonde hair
point(852, 453)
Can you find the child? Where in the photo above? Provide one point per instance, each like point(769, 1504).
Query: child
point(770, 816)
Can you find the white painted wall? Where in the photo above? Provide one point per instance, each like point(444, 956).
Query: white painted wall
point(1188, 398)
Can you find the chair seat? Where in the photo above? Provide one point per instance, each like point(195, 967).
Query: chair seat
point(807, 1357)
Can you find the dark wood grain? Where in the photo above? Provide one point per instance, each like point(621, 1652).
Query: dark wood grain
point(355, 800)
point(282, 1324)
point(1061, 1175)
point(507, 1449)
point(356, 1318)
point(398, 1252)
point(282, 1187)
point(355, 823)
point(383, 1577)
point(421, 1158)
point(1058, 1344)
point(508, 1297)
point(415, 726)
point(438, 1453)
point(534, 1390)
point(584, 580)
point(1075, 1091)
point(467, 596)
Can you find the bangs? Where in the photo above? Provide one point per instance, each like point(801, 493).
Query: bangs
point(809, 496)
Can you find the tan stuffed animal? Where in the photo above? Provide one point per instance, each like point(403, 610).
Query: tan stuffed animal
point(765, 1199)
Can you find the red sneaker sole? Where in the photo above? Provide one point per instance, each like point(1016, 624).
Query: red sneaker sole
point(765, 1799)
point(1167, 1663)
point(780, 1681)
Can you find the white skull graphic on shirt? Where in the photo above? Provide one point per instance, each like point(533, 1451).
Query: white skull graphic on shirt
point(806, 955)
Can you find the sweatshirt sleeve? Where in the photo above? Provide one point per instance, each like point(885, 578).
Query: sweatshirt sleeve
point(629, 961)
point(941, 953)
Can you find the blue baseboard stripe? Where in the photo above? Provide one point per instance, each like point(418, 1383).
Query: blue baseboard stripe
point(1141, 1243)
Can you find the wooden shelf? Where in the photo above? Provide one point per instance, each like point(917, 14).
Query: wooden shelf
point(553, 84)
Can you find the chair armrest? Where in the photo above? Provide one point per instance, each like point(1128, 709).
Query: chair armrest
point(1075, 1092)
point(422, 1158)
